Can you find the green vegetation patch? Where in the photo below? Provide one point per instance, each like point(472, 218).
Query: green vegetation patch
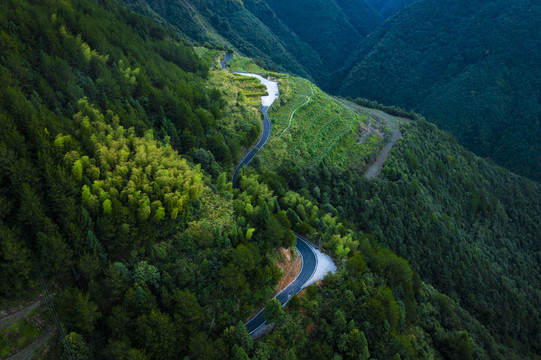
point(20, 334)
point(243, 64)
point(240, 118)
point(310, 126)
point(210, 57)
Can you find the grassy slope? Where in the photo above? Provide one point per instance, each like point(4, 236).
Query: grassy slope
point(16, 336)
point(322, 127)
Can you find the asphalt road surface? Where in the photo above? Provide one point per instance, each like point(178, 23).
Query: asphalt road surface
point(309, 264)
point(253, 151)
point(225, 61)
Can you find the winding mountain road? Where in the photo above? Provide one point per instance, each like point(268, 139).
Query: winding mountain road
point(309, 265)
point(265, 136)
point(266, 102)
point(303, 246)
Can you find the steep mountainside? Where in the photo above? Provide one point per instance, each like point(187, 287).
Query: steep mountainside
point(322, 24)
point(451, 214)
point(115, 137)
point(306, 38)
point(230, 24)
point(387, 8)
point(361, 15)
point(454, 217)
point(471, 67)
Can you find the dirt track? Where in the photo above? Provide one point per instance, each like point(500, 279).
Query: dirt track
point(392, 121)
point(19, 314)
point(374, 169)
point(28, 351)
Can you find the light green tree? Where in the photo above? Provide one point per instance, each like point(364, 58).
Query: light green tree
point(78, 346)
point(145, 272)
point(273, 311)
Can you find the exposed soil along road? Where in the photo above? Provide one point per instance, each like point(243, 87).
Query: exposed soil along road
point(304, 248)
point(309, 264)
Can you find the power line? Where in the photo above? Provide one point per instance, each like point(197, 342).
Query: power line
point(50, 305)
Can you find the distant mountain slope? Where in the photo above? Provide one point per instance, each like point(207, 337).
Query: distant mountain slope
point(470, 66)
point(302, 52)
point(361, 15)
point(230, 24)
point(322, 24)
point(388, 8)
point(306, 38)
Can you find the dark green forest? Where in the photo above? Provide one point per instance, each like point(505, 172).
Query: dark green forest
point(232, 25)
point(361, 15)
point(387, 8)
point(323, 25)
point(471, 67)
point(116, 152)
point(308, 38)
point(456, 218)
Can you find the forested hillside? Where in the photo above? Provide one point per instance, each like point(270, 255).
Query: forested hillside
point(455, 217)
point(96, 105)
point(361, 15)
point(469, 66)
point(324, 25)
point(118, 142)
point(307, 38)
point(387, 8)
point(230, 24)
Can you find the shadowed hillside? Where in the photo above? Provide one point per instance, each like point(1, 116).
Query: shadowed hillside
point(471, 67)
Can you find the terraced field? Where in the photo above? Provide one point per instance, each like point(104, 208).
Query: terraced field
point(310, 126)
point(250, 90)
